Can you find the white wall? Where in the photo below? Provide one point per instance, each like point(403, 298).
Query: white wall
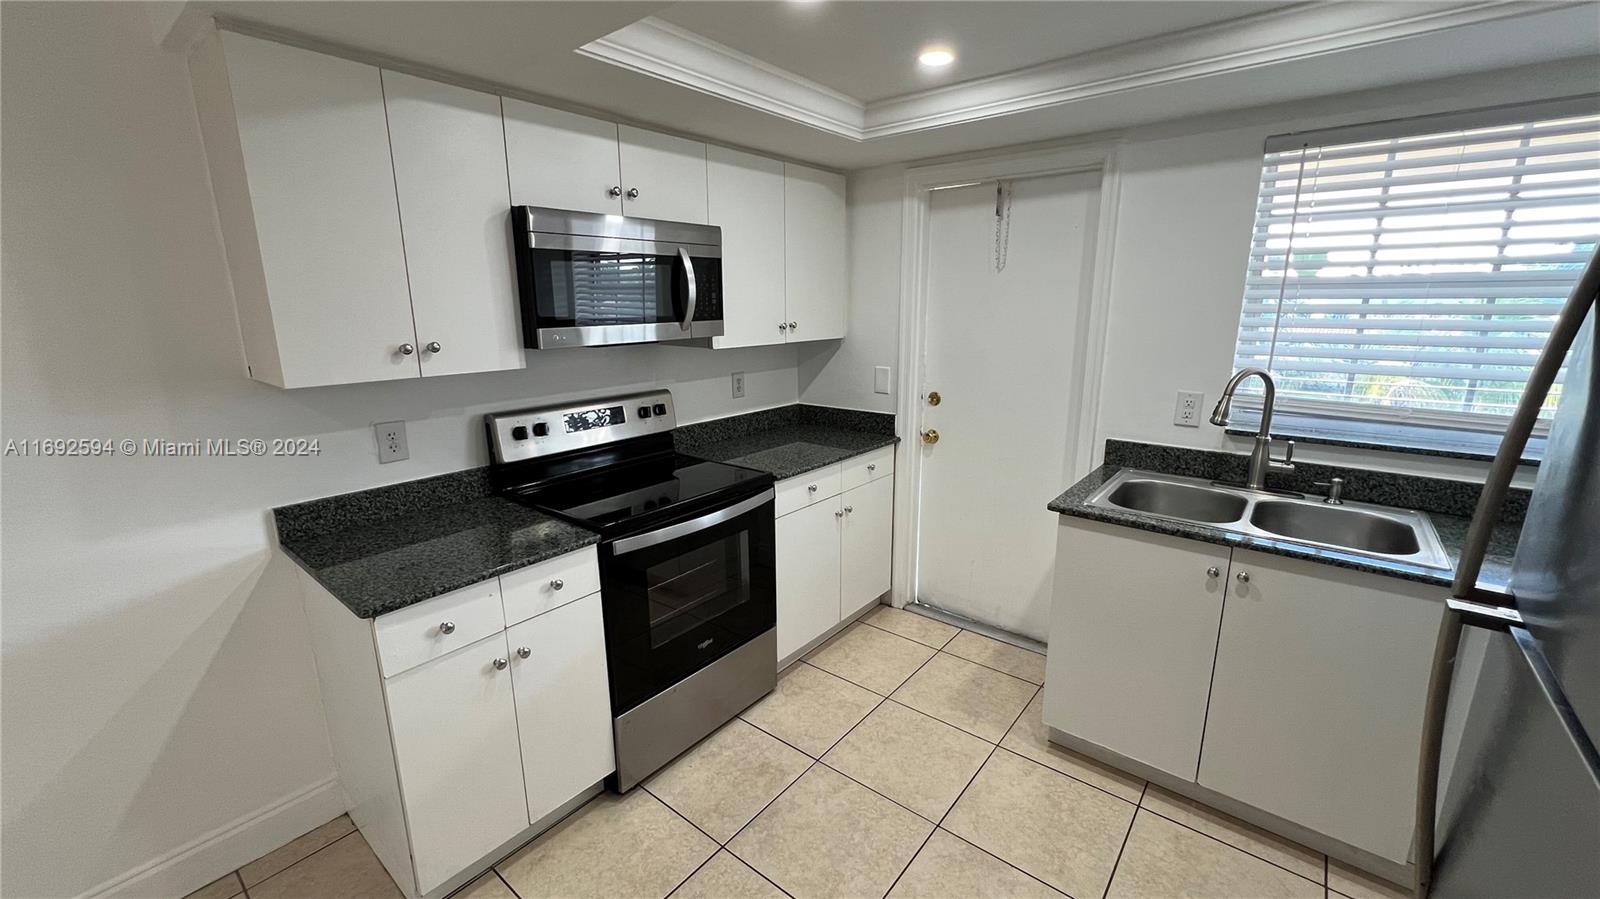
point(1183, 224)
point(157, 681)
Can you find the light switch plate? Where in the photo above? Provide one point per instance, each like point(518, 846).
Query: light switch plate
point(391, 441)
point(880, 379)
point(738, 384)
point(1187, 413)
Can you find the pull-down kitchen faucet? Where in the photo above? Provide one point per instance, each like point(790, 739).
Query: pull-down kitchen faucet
point(1261, 460)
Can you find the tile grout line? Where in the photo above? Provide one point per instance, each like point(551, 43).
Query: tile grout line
point(353, 830)
point(1137, 807)
point(943, 649)
point(956, 836)
point(1253, 855)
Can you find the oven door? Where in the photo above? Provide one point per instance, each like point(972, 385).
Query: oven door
point(589, 291)
point(683, 595)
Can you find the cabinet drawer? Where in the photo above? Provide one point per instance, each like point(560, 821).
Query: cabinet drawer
point(437, 626)
point(539, 588)
point(814, 486)
point(867, 468)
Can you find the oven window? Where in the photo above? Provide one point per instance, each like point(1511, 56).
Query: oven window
point(694, 589)
point(583, 289)
point(674, 607)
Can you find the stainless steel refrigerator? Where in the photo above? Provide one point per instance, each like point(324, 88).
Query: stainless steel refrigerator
point(1518, 795)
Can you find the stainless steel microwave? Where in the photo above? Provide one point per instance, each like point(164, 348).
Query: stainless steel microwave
point(587, 279)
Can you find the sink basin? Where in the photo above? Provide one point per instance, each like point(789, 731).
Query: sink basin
point(1178, 501)
point(1357, 528)
point(1336, 526)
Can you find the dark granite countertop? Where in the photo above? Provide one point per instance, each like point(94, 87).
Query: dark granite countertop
point(404, 559)
point(788, 441)
point(1452, 529)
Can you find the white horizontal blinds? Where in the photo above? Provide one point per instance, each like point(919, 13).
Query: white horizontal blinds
point(1417, 276)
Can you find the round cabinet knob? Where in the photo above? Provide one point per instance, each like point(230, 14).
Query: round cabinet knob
point(433, 347)
point(783, 326)
point(500, 664)
point(447, 627)
point(557, 583)
point(934, 398)
point(794, 326)
point(872, 467)
point(930, 436)
point(615, 191)
point(812, 488)
point(837, 514)
point(848, 510)
point(1213, 571)
point(406, 349)
point(633, 193)
point(1243, 576)
point(523, 652)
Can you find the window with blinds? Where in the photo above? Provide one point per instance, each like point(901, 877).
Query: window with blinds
point(1413, 276)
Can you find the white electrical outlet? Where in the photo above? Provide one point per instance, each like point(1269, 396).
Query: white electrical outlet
point(738, 384)
point(880, 379)
point(391, 441)
point(1187, 414)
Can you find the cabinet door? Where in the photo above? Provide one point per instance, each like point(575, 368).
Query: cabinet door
point(865, 546)
point(315, 148)
point(450, 173)
point(669, 174)
point(816, 276)
point(561, 160)
point(1133, 634)
point(808, 574)
point(563, 703)
point(1316, 706)
point(745, 194)
point(455, 743)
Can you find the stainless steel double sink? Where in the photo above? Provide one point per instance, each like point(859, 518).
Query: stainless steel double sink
point(1362, 529)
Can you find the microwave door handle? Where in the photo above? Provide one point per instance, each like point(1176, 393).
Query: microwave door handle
point(685, 528)
point(688, 271)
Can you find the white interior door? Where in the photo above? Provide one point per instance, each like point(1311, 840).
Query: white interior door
point(998, 350)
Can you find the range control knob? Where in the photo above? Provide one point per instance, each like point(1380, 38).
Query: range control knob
point(540, 429)
point(519, 433)
point(660, 408)
point(644, 411)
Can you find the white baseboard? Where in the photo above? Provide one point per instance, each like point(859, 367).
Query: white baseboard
point(243, 840)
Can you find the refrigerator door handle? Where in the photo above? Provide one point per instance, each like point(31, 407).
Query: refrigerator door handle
point(1562, 333)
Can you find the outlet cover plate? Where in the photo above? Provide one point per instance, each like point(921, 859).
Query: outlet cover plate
point(738, 385)
point(880, 379)
point(391, 441)
point(1187, 412)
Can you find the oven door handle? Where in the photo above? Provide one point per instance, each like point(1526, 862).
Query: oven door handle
point(684, 528)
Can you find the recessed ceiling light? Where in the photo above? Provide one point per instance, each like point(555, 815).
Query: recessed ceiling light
point(936, 57)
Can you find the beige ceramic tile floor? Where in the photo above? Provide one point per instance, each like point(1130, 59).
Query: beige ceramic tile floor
point(905, 758)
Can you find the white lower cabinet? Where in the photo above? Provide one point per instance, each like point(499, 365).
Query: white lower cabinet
point(558, 662)
point(808, 574)
point(1317, 701)
point(455, 739)
point(453, 734)
point(865, 545)
point(1132, 637)
point(1293, 687)
point(833, 553)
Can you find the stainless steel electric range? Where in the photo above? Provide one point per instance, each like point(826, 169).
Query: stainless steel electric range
point(686, 563)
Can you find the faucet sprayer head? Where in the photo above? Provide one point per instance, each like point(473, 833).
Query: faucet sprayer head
point(1219, 415)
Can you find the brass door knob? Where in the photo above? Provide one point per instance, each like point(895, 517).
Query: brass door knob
point(934, 398)
point(930, 436)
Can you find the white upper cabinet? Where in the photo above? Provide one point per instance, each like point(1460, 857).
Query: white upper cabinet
point(563, 160)
point(450, 174)
point(745, 193)
point(299, 155)
point(815, 274)
point(663, 177)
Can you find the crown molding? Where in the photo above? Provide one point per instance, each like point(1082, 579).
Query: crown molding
point(664, 51)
